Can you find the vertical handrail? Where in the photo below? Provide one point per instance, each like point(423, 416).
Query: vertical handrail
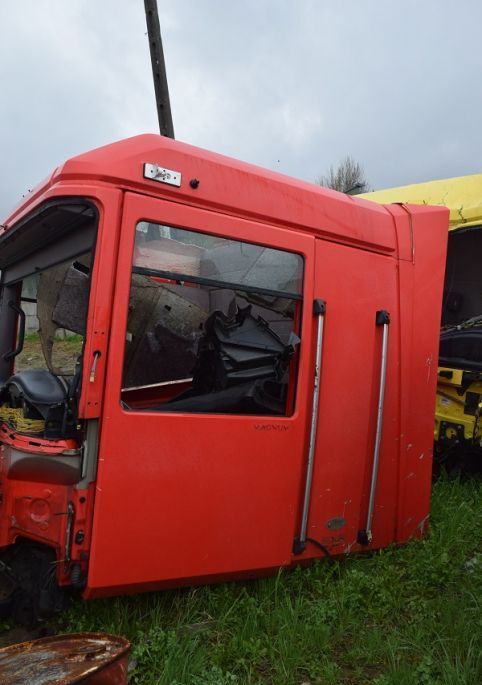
point(365, 536)
point(319, 309)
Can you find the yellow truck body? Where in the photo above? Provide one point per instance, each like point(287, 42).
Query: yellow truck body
point(458, 418)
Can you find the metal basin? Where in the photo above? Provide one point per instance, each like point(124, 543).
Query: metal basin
point(91, 658)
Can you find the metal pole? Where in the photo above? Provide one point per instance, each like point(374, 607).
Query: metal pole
point(159, 74)
point(319, 309)
point(365, 536)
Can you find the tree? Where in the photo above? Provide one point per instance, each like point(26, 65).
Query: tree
point(348, 177)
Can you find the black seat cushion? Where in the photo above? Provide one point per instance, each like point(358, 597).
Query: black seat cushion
point(39, 386)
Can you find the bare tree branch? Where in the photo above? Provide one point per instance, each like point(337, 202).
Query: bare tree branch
point(347, 177)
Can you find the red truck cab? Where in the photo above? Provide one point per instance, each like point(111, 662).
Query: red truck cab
point(251, 381)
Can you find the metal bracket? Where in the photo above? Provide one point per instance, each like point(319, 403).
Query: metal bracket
point(382, 317)
point(459, 437)
point(319, 307)
point(162, 175)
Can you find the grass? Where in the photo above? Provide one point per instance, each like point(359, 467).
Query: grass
point(64, 354)
point(34, 337)
point(402, 616)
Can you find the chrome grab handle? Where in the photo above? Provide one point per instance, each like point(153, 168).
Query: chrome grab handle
point(365, 536)
point(319, 309)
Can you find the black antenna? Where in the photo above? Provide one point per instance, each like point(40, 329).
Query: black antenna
point(159, 74)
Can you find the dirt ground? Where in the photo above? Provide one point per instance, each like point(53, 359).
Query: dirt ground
point(64, 356)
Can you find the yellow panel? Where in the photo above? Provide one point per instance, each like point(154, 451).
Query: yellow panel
point(462, 195)
point(455, 376)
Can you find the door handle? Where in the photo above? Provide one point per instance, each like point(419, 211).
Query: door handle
point(365, 536)
point(21, 331)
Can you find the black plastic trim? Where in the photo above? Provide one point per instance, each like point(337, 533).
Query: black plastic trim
point(382, 317)
point(21, 332)
point(199, 280)
point(362, 538)
point(319, 307)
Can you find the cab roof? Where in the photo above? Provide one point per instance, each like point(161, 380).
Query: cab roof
point(225, 185)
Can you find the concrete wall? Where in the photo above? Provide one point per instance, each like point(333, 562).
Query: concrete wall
point(31, 322)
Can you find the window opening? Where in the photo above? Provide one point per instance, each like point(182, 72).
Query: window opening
point(46, 265)
point(213, 324)
point(55, 304)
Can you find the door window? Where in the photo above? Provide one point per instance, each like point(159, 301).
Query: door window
point(212, 325)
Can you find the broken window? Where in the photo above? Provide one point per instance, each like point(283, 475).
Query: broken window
point(55, 304)
point(212, 326)
point(45, 267)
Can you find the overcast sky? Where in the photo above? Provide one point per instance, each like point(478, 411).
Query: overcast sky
point(292, 85)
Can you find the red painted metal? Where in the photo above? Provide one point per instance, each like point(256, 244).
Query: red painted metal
point(90, 658)
point(182, 498)
point(34, 445)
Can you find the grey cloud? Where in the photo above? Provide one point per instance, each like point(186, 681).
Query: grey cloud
point(290, 86)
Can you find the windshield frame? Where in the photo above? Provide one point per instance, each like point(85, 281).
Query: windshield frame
point(58, 230)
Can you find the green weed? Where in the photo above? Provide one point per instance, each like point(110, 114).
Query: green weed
point(402, 616)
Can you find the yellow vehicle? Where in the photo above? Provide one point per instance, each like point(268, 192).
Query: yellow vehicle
point(458, 418)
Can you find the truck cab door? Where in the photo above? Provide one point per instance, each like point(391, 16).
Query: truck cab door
point(203, 428)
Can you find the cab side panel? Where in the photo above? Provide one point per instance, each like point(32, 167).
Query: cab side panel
point(421, 284)
point(355, 285)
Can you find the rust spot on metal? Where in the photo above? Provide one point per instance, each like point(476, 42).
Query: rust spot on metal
point(90, 658)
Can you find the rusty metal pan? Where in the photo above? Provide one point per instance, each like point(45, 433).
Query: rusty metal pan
point(90, 658)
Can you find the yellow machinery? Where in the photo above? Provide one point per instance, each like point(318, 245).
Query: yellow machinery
point(458, 417)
